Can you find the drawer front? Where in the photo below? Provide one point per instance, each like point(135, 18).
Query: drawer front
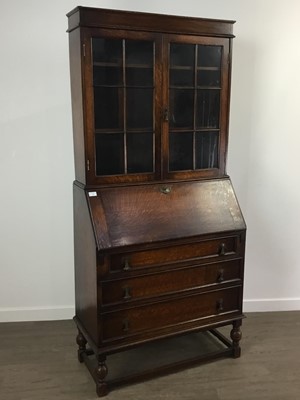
point(132, 321)
point(208, 248)
point(123, 290)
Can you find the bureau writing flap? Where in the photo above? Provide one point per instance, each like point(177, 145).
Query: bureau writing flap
point(133, 215)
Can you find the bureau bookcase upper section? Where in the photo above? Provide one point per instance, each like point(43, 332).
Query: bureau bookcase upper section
point(150, 96)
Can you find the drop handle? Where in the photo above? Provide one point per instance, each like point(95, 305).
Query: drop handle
point(126, 266)
point(222, 249)
point(127, 293)
point(166, 114)
point(125, 325)
point(220, 305)
point(165, 189)
point(220, 277)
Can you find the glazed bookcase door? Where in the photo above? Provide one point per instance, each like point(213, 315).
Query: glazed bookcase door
point(196, 104)
point(123, 86)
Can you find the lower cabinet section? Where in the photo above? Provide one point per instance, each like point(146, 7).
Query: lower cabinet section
point(152, 292)
point(159, 294)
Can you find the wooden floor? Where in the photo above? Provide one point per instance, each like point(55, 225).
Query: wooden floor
point(38, 361)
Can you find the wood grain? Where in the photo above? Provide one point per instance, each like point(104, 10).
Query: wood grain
point(143, 214)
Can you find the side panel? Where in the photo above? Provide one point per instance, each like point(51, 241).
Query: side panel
point(77, 104)
point(85, 265)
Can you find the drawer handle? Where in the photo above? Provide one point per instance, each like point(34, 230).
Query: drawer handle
point(127, 295)
point(166, 114)
point(222, 249)
point(125, 325)
point(165, 190)
point(126, 266)
point(220, 305)
point(220, 277)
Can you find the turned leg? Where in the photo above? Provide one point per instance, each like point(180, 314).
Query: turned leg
point(236, 335)
point(101, 372)
point(81, 341)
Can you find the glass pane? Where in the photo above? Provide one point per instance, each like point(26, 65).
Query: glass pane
point(182, 64)
point(107, 51)
point(139, 104)
point(139, 52)
point(139, 63)
point(182, 54)
point(209, 78)
point(181, 151)
point(139, 152)
point(209, 56)
point(108, 104)
point(107, 75)
point(208, 109)
point(206, 149)
point(109, 154)
point(139, 76)
point(181, 108)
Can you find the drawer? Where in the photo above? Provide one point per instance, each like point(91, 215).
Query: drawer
point(208, 248)
point(123, 290)
point(120, 324)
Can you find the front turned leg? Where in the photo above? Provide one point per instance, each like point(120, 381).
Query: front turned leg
point(81, 341)
point(101, 372)
point(236, 336)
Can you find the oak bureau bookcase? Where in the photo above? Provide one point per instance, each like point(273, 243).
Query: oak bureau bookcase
point(159, 235)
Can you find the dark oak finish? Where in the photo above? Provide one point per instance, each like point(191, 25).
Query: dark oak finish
point(85, 261)
point(175, 254)
point(159, 235)
point(115, 19)
point(201, 34)
point(77, 105)
point(170, 281)
point(149, 318)
point(187, 210)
